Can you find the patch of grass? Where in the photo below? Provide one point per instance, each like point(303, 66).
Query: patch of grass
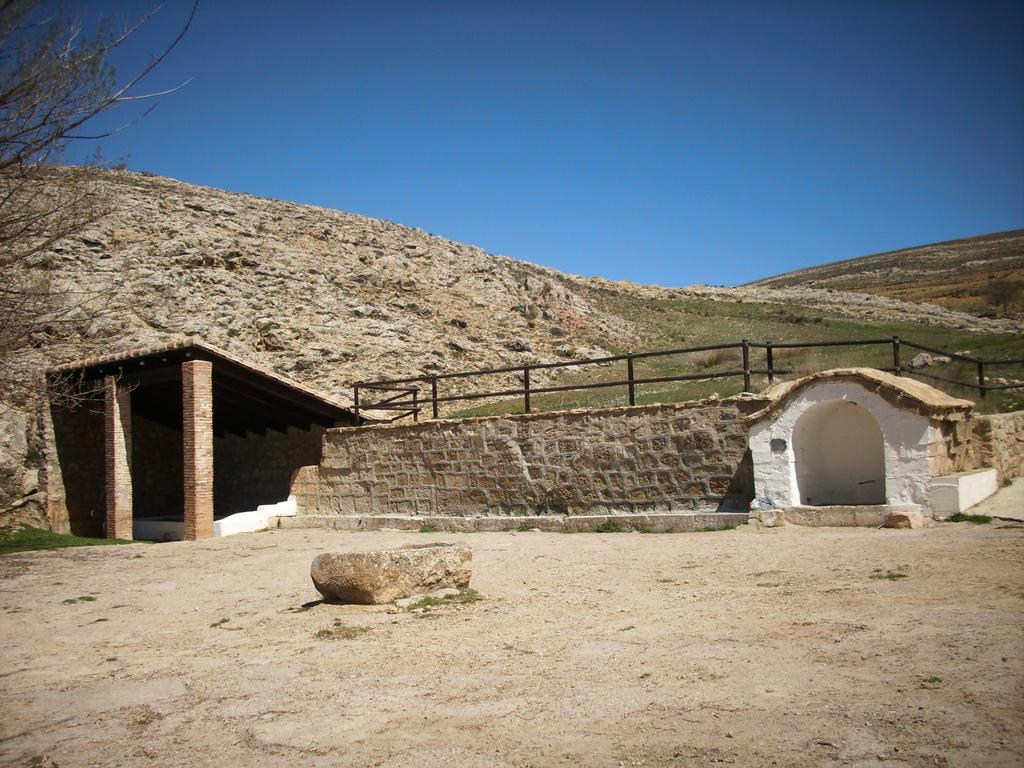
point(609, 526)
point(82, 599)
point(878, 573)
point(718, 358)
point(960, 517)
point(30, 539)
point(466, 596)
point(428, 528)
point(524, 527)
point(340, 632)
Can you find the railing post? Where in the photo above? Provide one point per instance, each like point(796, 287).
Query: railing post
point(770, 356)
point(433, 393)
point(746, 365)
point(415, 404)
point(896, 365)
point(629, 378)
point(981, 379)
point(355, 402)
point(526, 388)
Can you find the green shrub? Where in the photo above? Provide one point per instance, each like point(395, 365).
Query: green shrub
point(960, 517)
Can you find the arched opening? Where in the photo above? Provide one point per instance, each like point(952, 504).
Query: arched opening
point(840, 455)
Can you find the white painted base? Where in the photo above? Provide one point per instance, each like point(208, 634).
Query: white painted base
point(950, 494)
point(172, 529)
point(247, 522)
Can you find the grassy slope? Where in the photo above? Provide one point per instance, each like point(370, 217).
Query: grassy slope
point(28, 539)
point(674, 323)
point(954, 274)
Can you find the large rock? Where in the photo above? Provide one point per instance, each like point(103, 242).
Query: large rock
point(769, 518)
point(386, 575)
point(904, 519)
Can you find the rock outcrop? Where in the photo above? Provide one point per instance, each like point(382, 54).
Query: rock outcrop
point(373, 578)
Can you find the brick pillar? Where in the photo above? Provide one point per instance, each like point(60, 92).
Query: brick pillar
point(117, 452)
point(197, 437)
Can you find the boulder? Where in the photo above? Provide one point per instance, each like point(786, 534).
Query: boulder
point(905, 519)
point(924, 360)
point(520, 345)
point(373, 578)
point(769, 518)
point(921, 360)
point(29, 482)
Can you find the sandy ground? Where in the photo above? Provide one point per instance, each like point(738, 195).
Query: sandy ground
point(1008, 503)
point(779, 647)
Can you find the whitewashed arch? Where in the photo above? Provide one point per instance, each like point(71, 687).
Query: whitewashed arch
point(839, 455)
point(906, 437)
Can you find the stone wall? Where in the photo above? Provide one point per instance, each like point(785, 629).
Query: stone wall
point(258, 469)
point(663, 458)
point(73, 471)
point(999, 442)
point(954, 448)
point(156, 469)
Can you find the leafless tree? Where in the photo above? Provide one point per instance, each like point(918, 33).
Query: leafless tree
point(54, 84)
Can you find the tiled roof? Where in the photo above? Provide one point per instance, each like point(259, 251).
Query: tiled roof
point(905, 390)
point(193, 342)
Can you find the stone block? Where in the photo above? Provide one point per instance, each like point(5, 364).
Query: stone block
point(904, 519)
point(380, 577)
point(769, 518)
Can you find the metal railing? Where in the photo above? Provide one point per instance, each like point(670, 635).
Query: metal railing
point(407, 400)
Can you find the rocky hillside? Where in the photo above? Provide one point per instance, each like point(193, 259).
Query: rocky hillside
point(330, 297)
point(324, 296)
point(954, 274)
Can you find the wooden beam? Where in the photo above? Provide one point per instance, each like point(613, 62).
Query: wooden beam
point(278, 391)
point(262, 405)
point(254, 421)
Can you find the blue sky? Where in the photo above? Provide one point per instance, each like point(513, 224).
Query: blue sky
point(673, 143)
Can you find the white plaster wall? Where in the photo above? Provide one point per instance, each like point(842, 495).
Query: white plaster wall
point(906, 435)
point(839, 455)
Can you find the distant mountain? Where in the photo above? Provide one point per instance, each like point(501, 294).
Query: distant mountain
point(955, 274)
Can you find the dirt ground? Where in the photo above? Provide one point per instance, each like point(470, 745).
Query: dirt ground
point(787, 647)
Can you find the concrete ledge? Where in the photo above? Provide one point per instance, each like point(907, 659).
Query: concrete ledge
point(657, 523)
point(852, 516)
point(950, 494)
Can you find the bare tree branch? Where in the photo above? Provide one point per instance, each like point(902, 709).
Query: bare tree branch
point(54, 81)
